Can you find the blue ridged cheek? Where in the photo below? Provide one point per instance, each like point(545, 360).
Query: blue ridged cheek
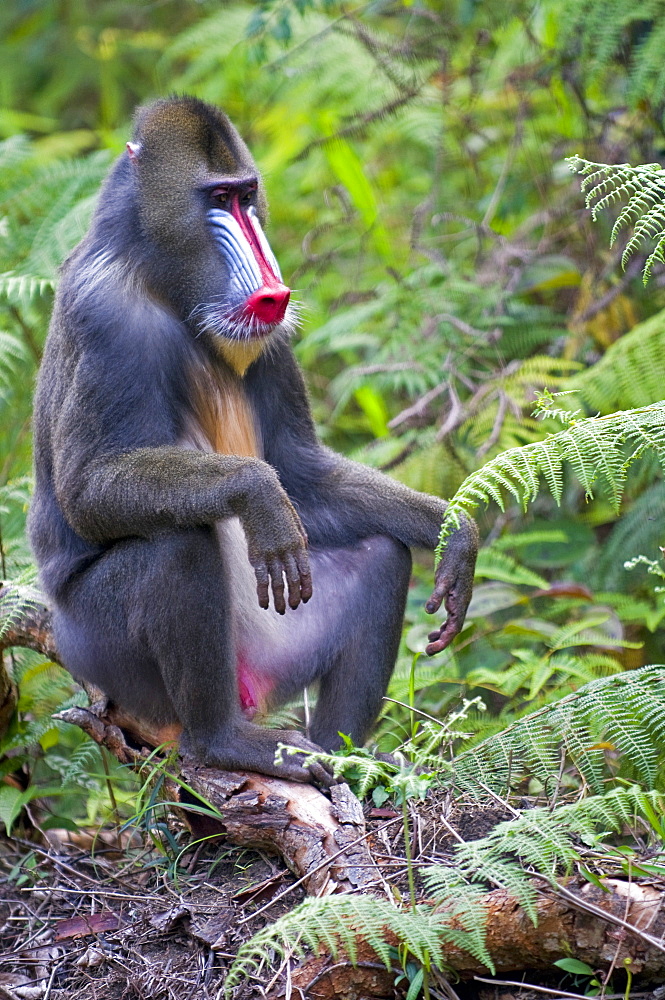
point(243, 269)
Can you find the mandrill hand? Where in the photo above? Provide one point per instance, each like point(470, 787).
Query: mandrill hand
point(276, 545)
point(454, 583)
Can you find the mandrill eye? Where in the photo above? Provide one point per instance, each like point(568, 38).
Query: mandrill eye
point(220, 196)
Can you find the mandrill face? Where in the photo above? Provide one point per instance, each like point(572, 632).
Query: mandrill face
point(202, 202)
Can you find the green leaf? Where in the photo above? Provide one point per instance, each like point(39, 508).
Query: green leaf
point(379, 795)
point(349, 171)
point(373, 406)
point(490, 597)
point(590, 877)
point(574, 966)
point(416, 985)
point(12, 801)
point(495, 565)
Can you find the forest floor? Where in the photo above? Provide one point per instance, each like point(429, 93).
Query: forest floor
point(110, 920)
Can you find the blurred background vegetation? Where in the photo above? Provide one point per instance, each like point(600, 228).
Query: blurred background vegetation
point(421, 207)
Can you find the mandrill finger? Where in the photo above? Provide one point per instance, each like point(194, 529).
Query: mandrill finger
point(440, 644)
point(441, 588)
point(262, 584)
point(293, 580)
point(302, 561)
point(276, 576)
point(321, 776)
point(441, 639)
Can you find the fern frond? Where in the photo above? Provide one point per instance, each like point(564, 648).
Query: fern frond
point(81, 768)
point(605, 33)
point(339, 922)
point(496, 565)
point(625, 711)
point(631, 372)
point(21, 289)
point(643, 187)
point(541, 841)
point(532, 672)
point(598, 449)
point(11, 352)
point(19, 596)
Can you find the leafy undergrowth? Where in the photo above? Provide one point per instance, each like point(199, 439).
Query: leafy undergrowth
point(86, 918)
point(81, 922)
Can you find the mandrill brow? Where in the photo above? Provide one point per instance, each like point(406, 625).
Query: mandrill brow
point(205, 555)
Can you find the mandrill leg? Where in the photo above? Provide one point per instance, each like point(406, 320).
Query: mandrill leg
point(159, 638)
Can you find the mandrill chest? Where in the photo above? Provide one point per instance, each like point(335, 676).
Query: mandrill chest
point(221, 418)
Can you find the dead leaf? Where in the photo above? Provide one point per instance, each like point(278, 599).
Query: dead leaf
point(166, 920)
point(92, 923)
point(214, 931)
point(91, 958)
point(260, 891)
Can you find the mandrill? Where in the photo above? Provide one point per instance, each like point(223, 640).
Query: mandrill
point(179, 481)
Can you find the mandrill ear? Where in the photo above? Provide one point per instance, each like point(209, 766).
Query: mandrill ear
point(133, 148)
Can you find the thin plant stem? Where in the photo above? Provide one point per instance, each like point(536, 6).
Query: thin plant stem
point(112, 798)
point(412, 881)
point(412, 694)
point(407, 852)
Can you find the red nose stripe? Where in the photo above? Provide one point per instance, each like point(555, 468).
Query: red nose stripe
point(248, 230)
point(269, 303)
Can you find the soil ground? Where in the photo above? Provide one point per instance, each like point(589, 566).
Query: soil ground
point(102, 921)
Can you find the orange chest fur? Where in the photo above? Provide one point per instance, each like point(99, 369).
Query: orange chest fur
point(223, 417)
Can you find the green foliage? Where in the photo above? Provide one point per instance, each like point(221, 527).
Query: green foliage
point(410, 772)
point(643, 187)
point(608, 35)
point(13, 800)
point(638, 530)
point(631, 373)
point(622, 714)
point(47, 207)
point(598, 450)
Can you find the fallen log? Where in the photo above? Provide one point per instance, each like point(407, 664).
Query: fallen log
point(603, 929)
point(321, 840)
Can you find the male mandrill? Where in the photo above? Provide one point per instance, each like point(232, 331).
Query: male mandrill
point(179, 480)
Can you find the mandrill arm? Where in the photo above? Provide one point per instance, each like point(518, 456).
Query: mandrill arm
point(363, 496)
point(341, 501)
point(149, 490)
point(120, 470)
